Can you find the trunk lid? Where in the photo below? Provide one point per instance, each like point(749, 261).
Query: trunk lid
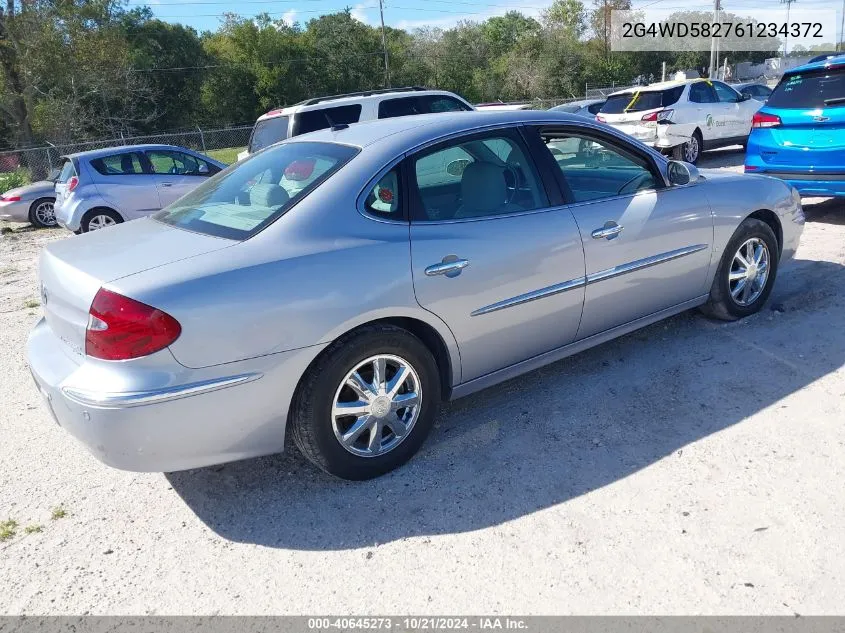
point(73, 270)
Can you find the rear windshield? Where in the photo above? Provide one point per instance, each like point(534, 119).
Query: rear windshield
point(572, 107)
point(639, 101)
point(241, 200)
point(313, 120)
point(267, 132)
point(815, 89)
point(67, 171)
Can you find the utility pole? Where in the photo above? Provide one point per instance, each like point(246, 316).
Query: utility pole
point(714, 63)
point(384, 45)
point(788, 3)
point(841, 28)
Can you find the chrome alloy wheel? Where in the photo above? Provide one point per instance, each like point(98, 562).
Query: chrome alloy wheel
point(691, 149)
point(376, 405)
point(100, 222)
point(749, 272)
point(44, 214)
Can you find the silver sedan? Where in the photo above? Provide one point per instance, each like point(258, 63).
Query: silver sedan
point(341, 285)
point(30, 203)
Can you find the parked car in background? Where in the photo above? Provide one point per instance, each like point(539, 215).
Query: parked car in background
point(502, 106)
point(757, 91)
point(31, 203)
point(324, 112)
point(586, 107)
point(341, 286)
point(682, 118)
point(103, 187)
point(799, 135)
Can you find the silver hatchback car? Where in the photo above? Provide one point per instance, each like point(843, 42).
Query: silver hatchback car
point(104, 187)
point(342, 284)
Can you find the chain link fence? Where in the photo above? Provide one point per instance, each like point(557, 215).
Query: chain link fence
point(222, 144)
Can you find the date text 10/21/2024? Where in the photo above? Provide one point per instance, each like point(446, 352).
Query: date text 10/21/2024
point(481, 623)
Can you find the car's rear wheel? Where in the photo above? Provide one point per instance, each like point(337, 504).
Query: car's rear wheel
point(367, 403)
point(689, 151)
point(97, 219)
point(42, 214)
point(746, 272)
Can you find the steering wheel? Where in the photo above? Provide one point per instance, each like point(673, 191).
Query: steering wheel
point(635, 183)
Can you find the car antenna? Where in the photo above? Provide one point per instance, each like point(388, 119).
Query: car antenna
point(334, 126)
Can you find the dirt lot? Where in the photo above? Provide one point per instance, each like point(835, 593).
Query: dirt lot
point(691, 467)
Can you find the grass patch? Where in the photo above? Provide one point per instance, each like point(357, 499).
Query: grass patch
point(226, 155)
point(8, 529)
point(58, 513)
point(31, 303)
point(33, 529)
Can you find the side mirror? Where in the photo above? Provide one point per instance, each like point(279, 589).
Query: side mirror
point(681, 173)
point(744, 97)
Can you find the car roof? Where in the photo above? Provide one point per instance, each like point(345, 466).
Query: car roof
point(339, 100)
point(401, 134)
point(819, 65)
point(108, 151)
point(660, 85)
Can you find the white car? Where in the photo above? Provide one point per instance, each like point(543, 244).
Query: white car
point(339, 110)
point(682, 118)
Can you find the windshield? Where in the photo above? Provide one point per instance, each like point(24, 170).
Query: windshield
point(640, 101)
point(267, 132)
point(241, 200)
point(810, 90)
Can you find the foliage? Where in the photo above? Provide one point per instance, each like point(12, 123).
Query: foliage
point(78, 69)
point(12, 179)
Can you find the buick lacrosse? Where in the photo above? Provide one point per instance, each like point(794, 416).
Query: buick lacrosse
point(342, 284)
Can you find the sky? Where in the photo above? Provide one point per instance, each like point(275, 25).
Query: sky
point(409, 14)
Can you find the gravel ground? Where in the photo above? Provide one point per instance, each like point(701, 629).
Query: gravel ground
point(692, 467)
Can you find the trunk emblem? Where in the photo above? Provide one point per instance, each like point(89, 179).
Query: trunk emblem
point(821, 118)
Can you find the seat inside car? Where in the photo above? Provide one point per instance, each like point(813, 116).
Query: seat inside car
point(484, 191)
point(268, 195)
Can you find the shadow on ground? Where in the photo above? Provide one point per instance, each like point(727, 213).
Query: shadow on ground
point(548, 436)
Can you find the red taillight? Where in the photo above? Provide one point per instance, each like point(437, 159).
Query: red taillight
point(600, 119)
point(763, 119)
point(650, 117)
point(120, 328)
point(10, 198)
point(71, 183)
point(751, 168)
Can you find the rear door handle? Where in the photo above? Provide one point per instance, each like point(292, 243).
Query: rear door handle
point(608, 231)
point(167, 184)
point(451, 266)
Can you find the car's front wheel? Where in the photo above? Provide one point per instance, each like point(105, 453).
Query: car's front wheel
point(367, 403)
point(746, 272)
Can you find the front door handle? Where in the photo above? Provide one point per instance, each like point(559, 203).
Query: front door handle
point(451, 266)
point(167, 184)
point(608, 231)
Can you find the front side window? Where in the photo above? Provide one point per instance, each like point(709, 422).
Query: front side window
point(267, 132)
point(726, 94)
point(179, 163)
point(246, 197)
point(119, 164)
point(484, 176)
point(313, 120)
point(593, 168)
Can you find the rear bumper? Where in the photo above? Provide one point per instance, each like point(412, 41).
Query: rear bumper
point(163, 417)
point(811, 185)
point(15, 211)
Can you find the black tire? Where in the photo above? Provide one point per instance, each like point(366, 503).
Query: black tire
point(85, 224)
point(35, 211)
point(721, 304)
point(679, 151)
point(310, 418)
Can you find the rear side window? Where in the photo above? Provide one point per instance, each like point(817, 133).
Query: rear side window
point(124, 164)
point(267, 132)
point(406, 106)
point(313, 120)
point(702, 92)
point(642, 100)
point(815, 89)
point(384, 198)
point(241, 200)
point(68, 171)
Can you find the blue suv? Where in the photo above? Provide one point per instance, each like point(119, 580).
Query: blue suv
point(799, 135)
